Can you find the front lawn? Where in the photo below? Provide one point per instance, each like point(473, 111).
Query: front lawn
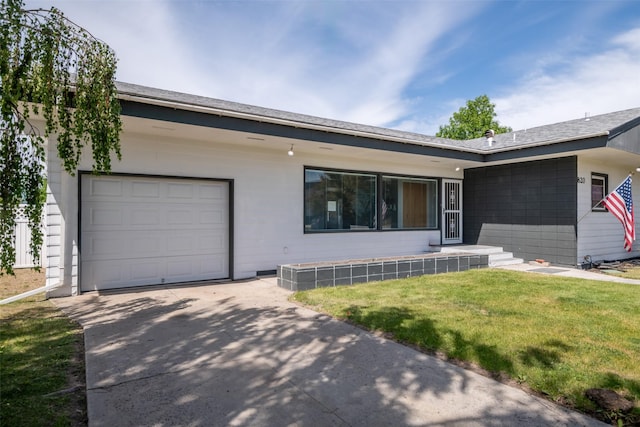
point(41, 359)
point(558, 336)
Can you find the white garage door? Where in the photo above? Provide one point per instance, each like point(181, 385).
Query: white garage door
point(146, 230)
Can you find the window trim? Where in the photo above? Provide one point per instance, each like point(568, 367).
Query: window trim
point(379, 189)
point(605, 180)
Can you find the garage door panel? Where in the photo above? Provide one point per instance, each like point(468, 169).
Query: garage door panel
point(212, 192)
point(105, 273)
point(115, 274)
point(181, 244)
point(139, 245)
point(145, 244)
point(104, 248)
point(142, 245)
point(212, 267)
point(136, 217)
point(98, 275)
point(105, 217)
point(179, 191)
point(145, 271)
point(212, 216)
point(180, 268)
point(141, 215)
point(180, 217)
point(146, 189)
point(212, 243)
point(106, 188)
point(137, 231)
point(145, 217)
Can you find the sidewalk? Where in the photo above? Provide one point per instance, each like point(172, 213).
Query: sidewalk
point(569, 272)
point(240, 354)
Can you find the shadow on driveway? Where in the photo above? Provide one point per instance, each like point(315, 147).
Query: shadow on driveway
point(241, 354)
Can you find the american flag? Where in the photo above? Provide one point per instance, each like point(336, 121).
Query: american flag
point(620, 204)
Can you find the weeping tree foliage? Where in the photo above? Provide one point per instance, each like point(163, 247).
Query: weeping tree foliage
point(53, 72)
point(472, 120)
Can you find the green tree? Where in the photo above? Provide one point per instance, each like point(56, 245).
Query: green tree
point(473, 120)
point(52, 72)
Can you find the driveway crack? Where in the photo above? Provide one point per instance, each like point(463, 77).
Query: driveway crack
point(133, 380)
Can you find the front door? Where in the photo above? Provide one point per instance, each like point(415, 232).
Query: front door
point(451, 211)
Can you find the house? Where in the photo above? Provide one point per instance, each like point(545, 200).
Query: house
point(209, 189)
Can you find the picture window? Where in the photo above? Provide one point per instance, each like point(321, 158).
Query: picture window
point(360, 201)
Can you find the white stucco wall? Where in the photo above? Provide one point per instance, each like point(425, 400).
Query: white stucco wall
point(268, 201)
point(600, 234)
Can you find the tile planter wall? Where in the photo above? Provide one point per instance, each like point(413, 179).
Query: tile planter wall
point(299, 277)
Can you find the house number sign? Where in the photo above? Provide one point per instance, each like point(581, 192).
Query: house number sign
point(581, 180)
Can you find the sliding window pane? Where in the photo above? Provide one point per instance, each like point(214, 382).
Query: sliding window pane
point(409, 203)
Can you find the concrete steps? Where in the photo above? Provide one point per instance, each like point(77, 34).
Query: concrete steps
point(497, 256)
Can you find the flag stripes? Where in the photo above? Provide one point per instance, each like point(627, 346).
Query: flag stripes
point(620, 203)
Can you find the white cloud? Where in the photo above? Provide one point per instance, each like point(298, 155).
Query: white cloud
point(345, 60)
point(350, 61)
point(629, 39)
point(353, 66)
point(144, 35)
point(429, 124)
point(396, 59)
point(597, 83)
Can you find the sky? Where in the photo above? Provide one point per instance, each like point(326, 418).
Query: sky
point(405, 65)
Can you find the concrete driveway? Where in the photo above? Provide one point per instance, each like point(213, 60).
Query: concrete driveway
point(239, 354)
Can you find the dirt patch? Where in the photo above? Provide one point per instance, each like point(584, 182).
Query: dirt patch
point(25, 279)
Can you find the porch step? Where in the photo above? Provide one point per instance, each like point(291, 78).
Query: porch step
point(497, 256)
point(503, 258)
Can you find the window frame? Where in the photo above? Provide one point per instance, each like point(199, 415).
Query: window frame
point(379, 190)
point(605, 190)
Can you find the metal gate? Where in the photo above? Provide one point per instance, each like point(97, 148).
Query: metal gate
point(451, 211)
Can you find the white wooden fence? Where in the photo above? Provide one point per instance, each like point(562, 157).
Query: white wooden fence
point(23, 240)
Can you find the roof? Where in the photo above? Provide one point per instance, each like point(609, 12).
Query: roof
point(142, 93)
point(579, 129)
point(609, 124)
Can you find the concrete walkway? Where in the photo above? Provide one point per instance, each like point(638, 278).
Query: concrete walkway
point(570, 272)
point(240, 354)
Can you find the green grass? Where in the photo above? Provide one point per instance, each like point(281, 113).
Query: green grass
point(40, 353)
point(558, 336)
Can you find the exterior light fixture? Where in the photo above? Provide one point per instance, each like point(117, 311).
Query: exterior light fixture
point(290, 152)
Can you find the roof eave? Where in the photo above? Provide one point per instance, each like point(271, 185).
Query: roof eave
point(286, 122)
point(549, 142)
point(151, 108)
point(376, 137)
point(563, 145)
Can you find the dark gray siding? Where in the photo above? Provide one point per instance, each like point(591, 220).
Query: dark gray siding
point(627, 139)
point(527, 208)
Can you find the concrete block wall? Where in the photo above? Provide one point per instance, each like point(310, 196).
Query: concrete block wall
point(299, 277)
